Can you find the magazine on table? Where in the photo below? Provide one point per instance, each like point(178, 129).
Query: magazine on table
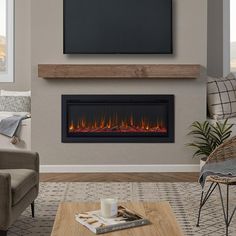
point(99, 225)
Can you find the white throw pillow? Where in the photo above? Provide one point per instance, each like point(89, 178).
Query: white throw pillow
point(15, 93)
point(221, 96)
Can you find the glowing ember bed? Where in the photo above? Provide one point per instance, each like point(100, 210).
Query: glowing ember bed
point(117, 118)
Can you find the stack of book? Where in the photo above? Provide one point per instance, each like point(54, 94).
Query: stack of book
point(99, 225)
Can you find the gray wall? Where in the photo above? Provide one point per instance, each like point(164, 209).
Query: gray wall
point(22, 47)
point(190, 46)
point(218, 48)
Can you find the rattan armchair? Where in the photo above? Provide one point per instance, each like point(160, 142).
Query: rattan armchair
point(225, 151)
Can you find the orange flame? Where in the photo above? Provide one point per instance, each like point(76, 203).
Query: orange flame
point(71, 127)
point(113, 124)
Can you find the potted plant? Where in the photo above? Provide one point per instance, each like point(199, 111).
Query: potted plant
point(207, 137)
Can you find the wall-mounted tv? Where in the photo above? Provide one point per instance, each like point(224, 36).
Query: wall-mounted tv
point(117, 26)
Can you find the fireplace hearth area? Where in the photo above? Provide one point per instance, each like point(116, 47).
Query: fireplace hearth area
point(117, 118)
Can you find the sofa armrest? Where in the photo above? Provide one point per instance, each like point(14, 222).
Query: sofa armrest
point(14, 159)
point(5, 200)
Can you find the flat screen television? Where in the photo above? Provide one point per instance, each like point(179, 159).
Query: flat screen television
point(117, 26)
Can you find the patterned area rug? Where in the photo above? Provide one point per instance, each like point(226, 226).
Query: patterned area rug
point(183, 197)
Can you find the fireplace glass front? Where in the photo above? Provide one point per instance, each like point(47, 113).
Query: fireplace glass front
point(117, 118)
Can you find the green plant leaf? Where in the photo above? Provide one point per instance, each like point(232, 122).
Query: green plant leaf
point(208, 136)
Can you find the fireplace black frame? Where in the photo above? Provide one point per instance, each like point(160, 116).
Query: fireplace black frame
point(168, 138)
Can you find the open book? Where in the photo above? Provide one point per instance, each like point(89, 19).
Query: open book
point(99, 225)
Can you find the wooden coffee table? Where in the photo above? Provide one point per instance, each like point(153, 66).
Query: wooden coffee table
point(159, 213)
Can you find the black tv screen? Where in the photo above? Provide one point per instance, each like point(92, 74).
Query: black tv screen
point(117, 26)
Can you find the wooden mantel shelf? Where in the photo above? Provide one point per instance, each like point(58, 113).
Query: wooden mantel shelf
point(155, 71)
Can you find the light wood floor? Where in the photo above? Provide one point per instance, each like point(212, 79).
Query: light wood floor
point(120, 177)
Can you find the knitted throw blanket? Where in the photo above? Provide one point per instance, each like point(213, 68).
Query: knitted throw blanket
point(222, 168)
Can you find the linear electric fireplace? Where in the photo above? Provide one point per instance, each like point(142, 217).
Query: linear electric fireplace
point(118, 118)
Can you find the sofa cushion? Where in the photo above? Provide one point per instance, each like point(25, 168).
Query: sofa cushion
point(221, 97)
point(22, 180)
point(15, 104)
point(15, 93)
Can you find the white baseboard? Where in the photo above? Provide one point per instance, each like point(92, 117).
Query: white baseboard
point(117, 168)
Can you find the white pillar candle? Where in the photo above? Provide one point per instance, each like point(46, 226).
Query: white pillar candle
point(108, 207)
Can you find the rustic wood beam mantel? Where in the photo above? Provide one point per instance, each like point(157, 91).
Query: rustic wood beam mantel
point(142, 71)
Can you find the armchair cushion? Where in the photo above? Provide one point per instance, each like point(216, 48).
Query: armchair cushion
point(22, 181)
point(15, 159)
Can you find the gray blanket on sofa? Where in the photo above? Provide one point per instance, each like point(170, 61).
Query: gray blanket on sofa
point(9, 126)
point(226, 168)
